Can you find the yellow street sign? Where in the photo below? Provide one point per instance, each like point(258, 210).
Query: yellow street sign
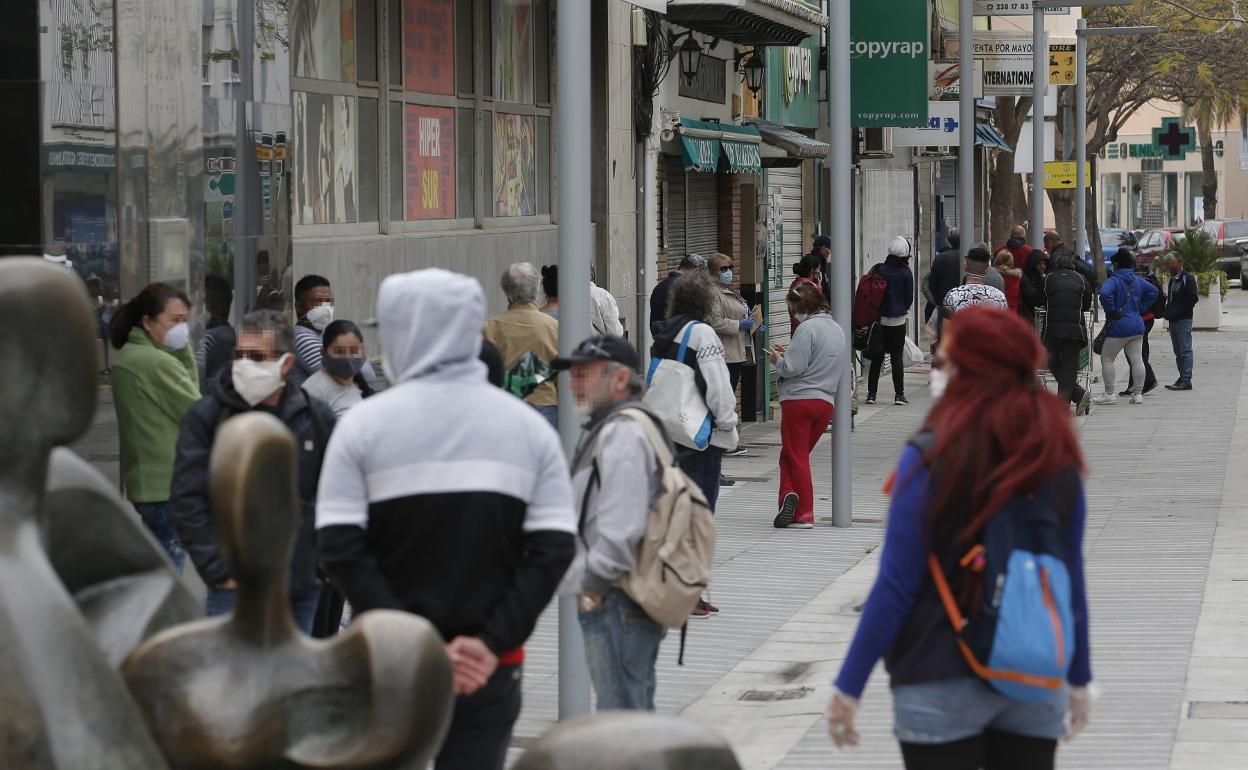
point(1060, 175)
point(1061, 64)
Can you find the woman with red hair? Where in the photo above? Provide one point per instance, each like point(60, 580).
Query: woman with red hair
point(978, 461)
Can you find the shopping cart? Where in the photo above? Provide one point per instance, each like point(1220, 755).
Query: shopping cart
point(1085, 377)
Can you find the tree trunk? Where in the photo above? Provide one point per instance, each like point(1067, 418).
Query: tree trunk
point(1005, 186)
point(1209, 178)
point(1063, 202)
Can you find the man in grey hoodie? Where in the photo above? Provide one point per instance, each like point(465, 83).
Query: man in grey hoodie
point(615, 479)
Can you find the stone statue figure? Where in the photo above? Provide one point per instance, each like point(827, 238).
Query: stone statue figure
point(124, 584)
point(251, 690)
point(629, 740)
point(62, 705)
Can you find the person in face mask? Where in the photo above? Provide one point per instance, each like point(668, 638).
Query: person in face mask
point(314, 307)
point(621, 641)
point(155, 381)
point(259, 379)
point(732, 322)
point(339, 383)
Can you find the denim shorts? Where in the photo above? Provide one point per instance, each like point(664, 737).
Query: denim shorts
point(950, 710)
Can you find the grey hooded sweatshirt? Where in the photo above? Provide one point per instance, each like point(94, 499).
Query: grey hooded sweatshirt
point(814, 362)
point(443, 495)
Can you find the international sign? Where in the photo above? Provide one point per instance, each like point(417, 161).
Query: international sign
point(1008, 62)
point(1062, 64)
point(888, 53)
point(1012, 8)
point(1061, 175)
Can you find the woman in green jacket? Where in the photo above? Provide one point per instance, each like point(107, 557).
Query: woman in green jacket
point(155, 382)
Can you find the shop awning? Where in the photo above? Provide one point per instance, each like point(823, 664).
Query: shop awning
point(750, 22)
point(798, 146)
point(987, 136)
point(710, 147)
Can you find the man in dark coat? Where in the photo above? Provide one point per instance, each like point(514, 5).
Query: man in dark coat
point(1180, 306)
point(946, 270)
point(1056, 248)
point(658, 298)
point(1066, 295)
point(257, 381)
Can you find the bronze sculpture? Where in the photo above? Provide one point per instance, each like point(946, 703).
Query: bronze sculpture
point(63, 704)
point(251, 690)
point(629, 740)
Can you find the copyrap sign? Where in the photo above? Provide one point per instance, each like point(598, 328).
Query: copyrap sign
point(889, 63)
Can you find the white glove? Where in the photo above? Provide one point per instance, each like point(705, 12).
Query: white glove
point(1081, 701)
point(841, 720)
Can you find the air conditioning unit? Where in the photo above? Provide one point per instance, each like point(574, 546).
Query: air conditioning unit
point(876, 143)
point(935, 151)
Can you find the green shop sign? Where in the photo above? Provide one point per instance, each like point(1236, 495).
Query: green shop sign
point(888, 49)
point(791, 96)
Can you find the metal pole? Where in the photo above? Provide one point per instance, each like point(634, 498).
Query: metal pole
point(966, 111)
point(1081, 140)
point(841, 166)
point(246, 173)
point(1039, 73)
point(575, 251)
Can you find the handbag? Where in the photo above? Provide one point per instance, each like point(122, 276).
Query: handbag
point(673, 395)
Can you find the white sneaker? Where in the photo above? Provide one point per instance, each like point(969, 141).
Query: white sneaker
point(1137, 399)
point(801, 525)
point(1105, 398)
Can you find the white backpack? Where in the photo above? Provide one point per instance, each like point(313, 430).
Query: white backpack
point(674, 558)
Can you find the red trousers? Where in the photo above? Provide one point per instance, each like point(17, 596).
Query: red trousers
point(801, 425)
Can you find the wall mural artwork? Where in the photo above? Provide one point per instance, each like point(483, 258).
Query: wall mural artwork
point(514, 178)
point(325, 127)
point(429, 148)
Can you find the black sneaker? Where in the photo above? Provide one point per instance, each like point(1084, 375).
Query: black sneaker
point(711, 608)
point(788, 509)
point(870, 400)
point(738, 452)
point(726, 481)
point(900, 400)
point(698, 612)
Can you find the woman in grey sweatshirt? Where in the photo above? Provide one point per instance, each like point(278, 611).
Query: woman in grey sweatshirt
point(809, 369)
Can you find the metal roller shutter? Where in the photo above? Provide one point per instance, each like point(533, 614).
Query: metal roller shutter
point(701, 213)
point(887, 211)
point(947, 191)
point(786, 184)
point(674, 213)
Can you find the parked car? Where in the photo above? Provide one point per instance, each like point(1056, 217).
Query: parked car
point(1229, 237)
point(1155, 243)
point(1112, 239)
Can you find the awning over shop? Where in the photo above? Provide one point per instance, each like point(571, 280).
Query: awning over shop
point(797, 146)
point(987, 136)
point(750, 22)
point(710, 147)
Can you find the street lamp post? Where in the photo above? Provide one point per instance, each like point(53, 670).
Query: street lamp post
point(841, 166)
point(1039, 84)
point(966, 115)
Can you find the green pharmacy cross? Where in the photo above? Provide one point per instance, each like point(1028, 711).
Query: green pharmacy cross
point(1174, 139)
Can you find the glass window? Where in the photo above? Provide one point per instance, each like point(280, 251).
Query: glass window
point(542, 31)
point(429, 136)
point(429, 46)
point(1135, 189)
point(396, 162)
point(465, 81)
point(1172, 200)
point(1237, 228)
point(542, 154)
point(370, 160)
point(515, 191)
point(466, 182)
point(394, 33)
point(325, 158)
point(513, 50)
point(324, 39)
point(1112, 214)
point(1195, 197)
point(366, 39)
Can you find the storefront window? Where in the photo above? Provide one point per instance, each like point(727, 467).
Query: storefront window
point(515, 193)
point(324, 39)
point(325, 159)
point(1195, 197)
point(370, 160)
point(1135, 189)
point(512, 22)
point(1112, 215)
point(1172, 200)
point(429, 46)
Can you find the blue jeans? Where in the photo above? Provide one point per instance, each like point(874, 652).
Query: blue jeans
point(621, 648)
point(160, 524)
point(1181, 339)
point(950, 710)
point(551, 413)
point(703, 467)
point(220, 601)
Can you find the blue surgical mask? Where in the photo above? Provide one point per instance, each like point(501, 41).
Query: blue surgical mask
point(725, 275)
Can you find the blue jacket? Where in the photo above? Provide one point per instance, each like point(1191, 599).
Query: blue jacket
point(900, 294)
point(1124, 296)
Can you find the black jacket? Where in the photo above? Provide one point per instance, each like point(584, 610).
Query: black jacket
point(1067, 295)
point(190, 502)
point(1182, 297)
point(946, 274)
point(1031, 287)
point(658, 299)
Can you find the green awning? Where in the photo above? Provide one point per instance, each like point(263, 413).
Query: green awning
point(710, 147)
point(740, 145)
point(700, 143)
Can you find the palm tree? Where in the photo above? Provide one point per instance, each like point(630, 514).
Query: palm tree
point(1213, 107)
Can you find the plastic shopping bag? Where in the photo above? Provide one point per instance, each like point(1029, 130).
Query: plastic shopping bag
point(911, 355)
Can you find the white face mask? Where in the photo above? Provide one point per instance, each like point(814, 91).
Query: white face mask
point(178, 337)
point(725, 276)
point(939, 382)
point(254, 381)
point(321, 316)
point(801, 316)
